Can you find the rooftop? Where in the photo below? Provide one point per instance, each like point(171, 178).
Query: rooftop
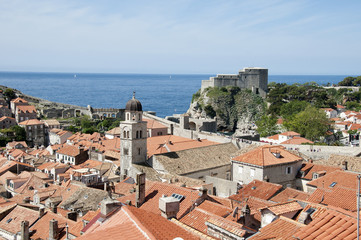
point(267, 155)
point(258, 189)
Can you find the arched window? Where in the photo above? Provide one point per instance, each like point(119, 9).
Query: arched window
point(140, 134)
point(127, 134)
point(124, 134)
point(136, 136)
point(140, 116)
point(128, 114)
point(138, 151)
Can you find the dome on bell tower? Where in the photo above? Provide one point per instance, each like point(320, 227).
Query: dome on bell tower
point(133, 105)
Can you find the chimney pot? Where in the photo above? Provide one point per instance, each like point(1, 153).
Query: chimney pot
point(169, 207)
point(53, 229)
point(25, 230)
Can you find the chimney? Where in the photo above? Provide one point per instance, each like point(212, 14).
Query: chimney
point(53, 229)
point(41, 212)
point(169, 207)
point(25, 230)
point(108, 206)
point(203, 193)
point(140, 190)
point(26, 200)
point(72, 216)
point(54, 209)
point(345, 165)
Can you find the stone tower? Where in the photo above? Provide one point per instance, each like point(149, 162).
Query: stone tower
point(133, 137)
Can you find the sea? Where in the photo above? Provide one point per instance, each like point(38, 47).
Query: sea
point(165, 94)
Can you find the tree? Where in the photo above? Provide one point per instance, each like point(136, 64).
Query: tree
point(348, 81)
point(85, 122)
point(266, 126)
point(312, 123)
point(290, 109)
point(9, 94)
point(20, 134)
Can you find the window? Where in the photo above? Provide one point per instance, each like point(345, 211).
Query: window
point(138, 151)
point(137, 135)
point(128, 116)
point(288, 170)
point(333, 184)
point(252, 172)
point(140, 134)
point(124, 134)
point(125, 151)
point(240, 169)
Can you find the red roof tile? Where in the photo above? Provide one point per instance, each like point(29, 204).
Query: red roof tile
point(308, 169)
point(290, 193)
point(26, 109)
point(282, 229)
point(283, 208)
point(31, 122)
point(267, 156)
point(258, 189)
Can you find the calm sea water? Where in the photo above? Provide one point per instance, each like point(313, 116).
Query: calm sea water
point(164, 94)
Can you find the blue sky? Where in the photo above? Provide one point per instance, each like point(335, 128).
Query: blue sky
point(181, 36)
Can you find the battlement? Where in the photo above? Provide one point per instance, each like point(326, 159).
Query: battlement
point(252, 78)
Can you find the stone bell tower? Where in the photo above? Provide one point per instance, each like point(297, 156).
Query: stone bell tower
point(133, 137)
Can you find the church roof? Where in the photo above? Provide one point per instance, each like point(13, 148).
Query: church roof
point(133, 104)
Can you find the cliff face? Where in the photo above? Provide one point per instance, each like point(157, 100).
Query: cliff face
point(233, 107)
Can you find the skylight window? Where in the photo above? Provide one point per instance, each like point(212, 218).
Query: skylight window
point(9, 220)
point(333, 184)
point(310, 211)
point(253, 188)
point(178, 196)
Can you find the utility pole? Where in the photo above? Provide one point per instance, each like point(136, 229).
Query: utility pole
point(358, 206)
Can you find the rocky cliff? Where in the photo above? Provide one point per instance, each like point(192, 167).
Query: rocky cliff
point(235, 109)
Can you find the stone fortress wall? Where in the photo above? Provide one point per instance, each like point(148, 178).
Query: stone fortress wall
point(252, 78)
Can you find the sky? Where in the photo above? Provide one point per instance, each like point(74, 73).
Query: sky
point(181, 36)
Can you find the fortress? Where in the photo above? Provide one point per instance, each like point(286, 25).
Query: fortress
point(252, 78)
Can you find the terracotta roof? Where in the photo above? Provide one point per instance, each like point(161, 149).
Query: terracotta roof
point(196, 159)
point(17, 100)
point(50, 165)
point(274, 137)
point(329, 225)
point(296, 140)
point(283, 208)
point(215, 208)
point(266, 156)
point(114, 131)
point(50, 122)
point(337, 197)
point(12, 221)
point(197, 219)
point(280, 121)
point(254, 204)
point(337, 178)
point(339, 106)
point(6, 117)
point(282, 229)
point(41, 227)
point(157, 190)
point(308, 169)
point(133, 224)
point(259, 189)
point(290, 193)
point(290, 133)
point(153, 124)
point(14, 143)
point(31, 122)
point(172, 143)
point(124, 186)
point(230, 226)
point(69, 150)
point(26, 109)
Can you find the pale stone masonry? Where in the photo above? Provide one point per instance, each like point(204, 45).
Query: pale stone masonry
point(252, 78)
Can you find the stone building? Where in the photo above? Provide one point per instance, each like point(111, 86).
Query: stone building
point(252, 78)
point(58, 136)
point(17, 102)
point(5, 111)
point(7, 122)
point(266, 163)
point(72, 155)
point(25, 112)
point(133, 135)
point(35, 135)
